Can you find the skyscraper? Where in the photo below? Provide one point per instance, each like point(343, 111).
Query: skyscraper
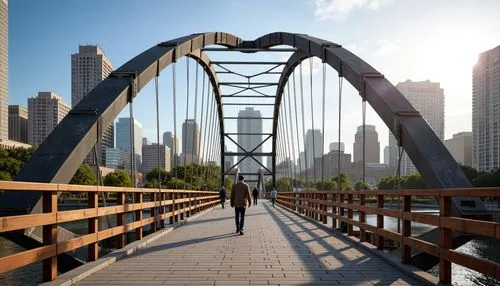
point(335, 146)
point(428, 99)
point(150, 157)
point(4, 69)
point(190, 141)
point(18, 123)
point(313, 150)
point(88, 68)
point(249, 142)
point(486, 111)
point(123, 138)
point(145, 141)
point(460, 147)
point(372, 146)
point(172, 142)
point(44, 113)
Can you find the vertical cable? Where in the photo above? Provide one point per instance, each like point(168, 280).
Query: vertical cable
point(296, 123)
point(201, 122)
point(364, 137)
point(323, 130)
point(340, 128)
point(291, 133)
point(287, 136)
point(174, 140)
point(184, 133)
point(157, 210)
point(195, 112)
point(132, 143)
point(303, 124)
point(312, 119)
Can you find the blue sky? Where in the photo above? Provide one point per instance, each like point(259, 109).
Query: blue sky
point(418, 40)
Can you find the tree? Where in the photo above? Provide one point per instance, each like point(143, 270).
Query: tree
point(118, 179)
point(152, 177)
point(387, 183)
point(413, 181)
point(345, 183)
point(284, 184)
point(175, 184)
point(361, 186)
point(84, 176)
point(4, 176)
point(469, 172)
point(228, 183)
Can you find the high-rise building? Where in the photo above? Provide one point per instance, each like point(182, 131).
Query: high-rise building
point(145, 141)
point(190, 142)
point(117, 158)
point(123, 138)
point(486, 111)
point(228, 160)
point(18, 123)
point(372, 145)
point(313, 150)
point(334, 146)
point(44, 113)
point(150, 157)
point(88, 68)
point(173, 144)
point(249, 122)
point(460, 147)
point(428, 99)
point(4, 69)
point(386, 155)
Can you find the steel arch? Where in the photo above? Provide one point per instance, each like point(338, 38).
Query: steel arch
point(60, 155)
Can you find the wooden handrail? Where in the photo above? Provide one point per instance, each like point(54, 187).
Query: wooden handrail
point(181, 204)
point(312, 204)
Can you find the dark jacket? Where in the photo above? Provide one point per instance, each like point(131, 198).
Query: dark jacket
point(222, 195)
point(255, 192)
point(240, 194)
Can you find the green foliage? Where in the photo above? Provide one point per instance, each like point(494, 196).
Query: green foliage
point(12, 160)
point(152, 178)
point(175, 184)
point(84, 176)
point(193, 176)
point(228, 183)
point(412, 181)
point(345, 183)
point(118, 179)
point(284, 184)
point(4, 176)
point(469, 172)
point(326, 186)
point(361, 186)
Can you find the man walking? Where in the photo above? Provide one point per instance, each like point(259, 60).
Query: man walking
point(222, 196)
point(240, 194)
point(274, 195)
point(255, 194)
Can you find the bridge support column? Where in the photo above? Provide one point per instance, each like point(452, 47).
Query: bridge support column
point(50, 236)
point(380, 222)
point(120, 220)
point(93, 226)
point(445, 241)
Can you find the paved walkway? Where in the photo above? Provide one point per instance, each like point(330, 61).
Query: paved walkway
point(278, 248)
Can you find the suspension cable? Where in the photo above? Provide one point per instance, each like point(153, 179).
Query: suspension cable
point(303, 125)
point(312, 118)
point(132, 143)
point(283, 102)
point(340, 128)
point(296, 123)
point(157, 211)
point(195, 113)
point(323, 130)
point(291, 133)
point(210, 140)
point(207, 129)
point(364, 138)
point(198, 159)
point(174, 139)
point(184, 133)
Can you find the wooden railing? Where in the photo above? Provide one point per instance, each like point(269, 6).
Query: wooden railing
point(174, 205)
point(343, 204)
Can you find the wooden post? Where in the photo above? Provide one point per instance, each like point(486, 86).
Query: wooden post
point(181, 206)
point(380, 221)
point(341, 212)
point(406, 231)
point(334, 210)
point(445, 240)
point(325, 208)
point(350, 231)
point(174, 208)
point(190, 204)
point(162, 210)
point(93, 202)
point(153, 213)
point(171, 218)
point(138, 214)
point(362, 218)
point(120, 220)
point(50, 236)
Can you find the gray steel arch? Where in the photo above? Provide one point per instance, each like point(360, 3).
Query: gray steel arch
point(60, 155)
point(432, 159)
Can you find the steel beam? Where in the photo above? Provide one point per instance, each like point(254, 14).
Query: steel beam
point(249, 50)
point(246, 63)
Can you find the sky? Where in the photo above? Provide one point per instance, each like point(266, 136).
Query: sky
point(412, 39)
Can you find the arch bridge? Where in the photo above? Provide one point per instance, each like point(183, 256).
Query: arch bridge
point(227, 84)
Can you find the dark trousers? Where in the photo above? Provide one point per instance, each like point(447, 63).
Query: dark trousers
point(239, 215)
point(222, 202)
point(255, 200)
point(273, 200)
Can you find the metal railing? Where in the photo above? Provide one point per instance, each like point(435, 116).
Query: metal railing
point(343, 205)
point(174, 205)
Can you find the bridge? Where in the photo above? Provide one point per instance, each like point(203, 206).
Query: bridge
point(299, 241)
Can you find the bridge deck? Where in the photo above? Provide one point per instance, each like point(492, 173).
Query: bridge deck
point(278, 248)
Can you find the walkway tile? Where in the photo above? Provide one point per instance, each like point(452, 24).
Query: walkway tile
point(278, 248)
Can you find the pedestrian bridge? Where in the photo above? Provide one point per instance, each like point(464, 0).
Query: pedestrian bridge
point(192, 240)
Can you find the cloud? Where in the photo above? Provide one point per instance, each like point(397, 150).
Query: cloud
point(338, 10)
point(385, 47)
